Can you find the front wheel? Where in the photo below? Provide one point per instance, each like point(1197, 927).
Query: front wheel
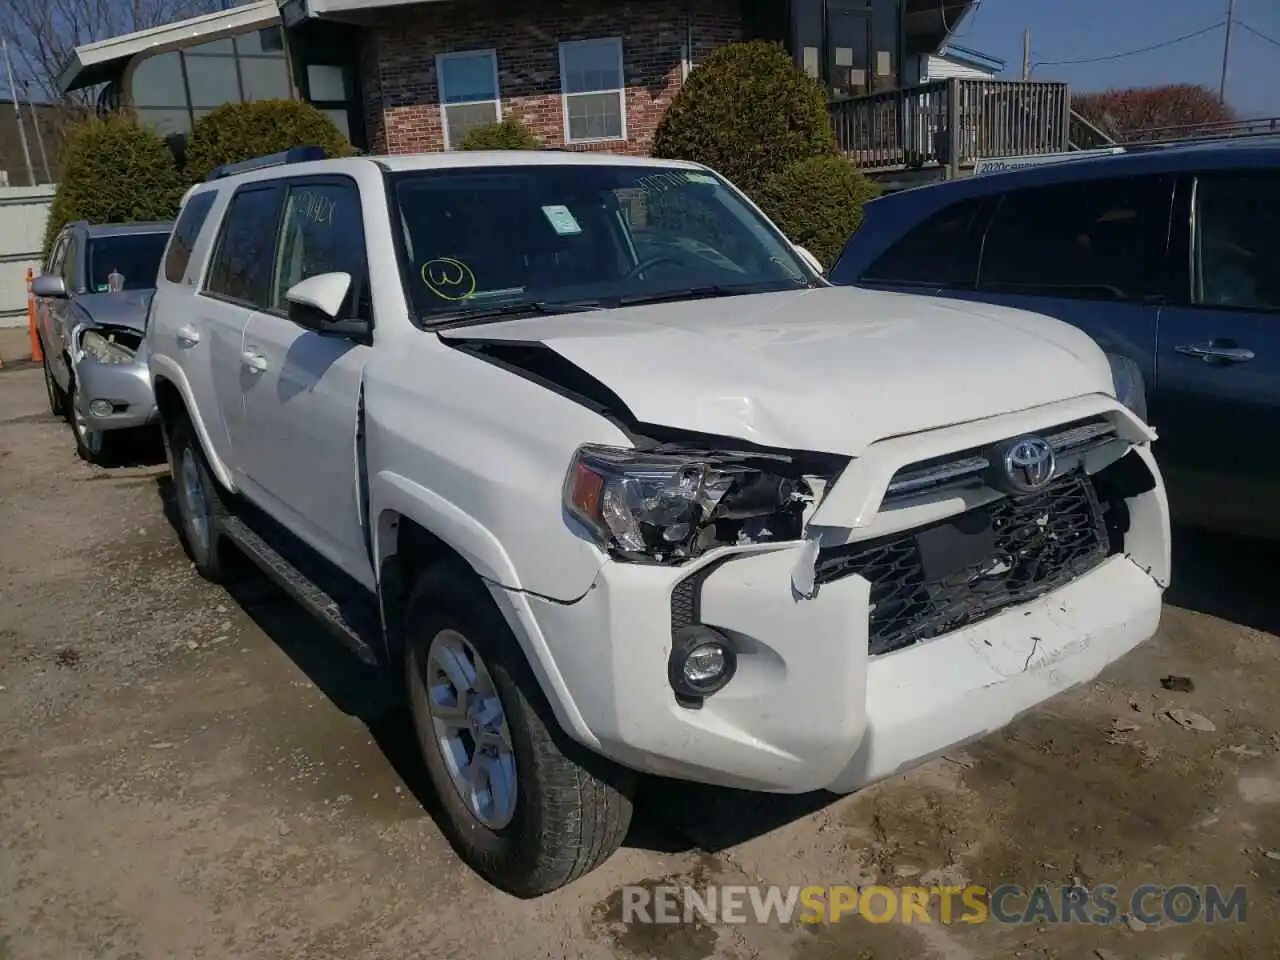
point(93, 445)
point(57, 399)
point(524, 806)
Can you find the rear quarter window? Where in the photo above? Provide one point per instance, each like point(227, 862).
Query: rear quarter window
point(185, 233)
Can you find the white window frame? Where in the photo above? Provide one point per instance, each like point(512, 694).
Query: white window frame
point(621, 92)
point(441, 60)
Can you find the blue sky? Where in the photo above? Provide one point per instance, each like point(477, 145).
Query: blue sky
point(1076, 29)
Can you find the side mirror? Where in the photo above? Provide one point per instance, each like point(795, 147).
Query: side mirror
point(316, 304)
point(810, 259)
point(49, 285)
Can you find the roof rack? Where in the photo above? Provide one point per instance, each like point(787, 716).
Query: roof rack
point(295, 155)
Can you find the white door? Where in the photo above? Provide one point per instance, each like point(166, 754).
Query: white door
point(302, 386)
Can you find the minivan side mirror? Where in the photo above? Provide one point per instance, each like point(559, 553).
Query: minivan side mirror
point(49, 285)
point(316, 304)
point(810, 259)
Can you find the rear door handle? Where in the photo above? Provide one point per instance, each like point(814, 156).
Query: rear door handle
point(188, 336)
point(1212, 351)
point(256, 362)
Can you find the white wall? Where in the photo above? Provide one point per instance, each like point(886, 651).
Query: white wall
point(933, 67)
point(23, 213)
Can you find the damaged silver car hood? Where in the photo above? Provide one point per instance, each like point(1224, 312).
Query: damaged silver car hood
point(128, 308)
point(830, 369)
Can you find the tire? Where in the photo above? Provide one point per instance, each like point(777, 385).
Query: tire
point(93, 446)
point(571, 807)
point(57, 399)
point(201, 505)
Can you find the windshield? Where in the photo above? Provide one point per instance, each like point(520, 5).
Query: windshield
point(475, 239)
point(134, 257)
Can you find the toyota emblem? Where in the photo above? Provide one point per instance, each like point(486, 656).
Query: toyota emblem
point(1026, 465)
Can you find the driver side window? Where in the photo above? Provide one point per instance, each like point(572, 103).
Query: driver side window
point(323, 232)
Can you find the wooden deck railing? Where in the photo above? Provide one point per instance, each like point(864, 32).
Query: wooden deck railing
point(952, 123)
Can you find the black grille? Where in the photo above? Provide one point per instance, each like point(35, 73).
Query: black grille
point(939, 578)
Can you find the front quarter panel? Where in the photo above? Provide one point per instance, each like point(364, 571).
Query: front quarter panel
point(478, 455)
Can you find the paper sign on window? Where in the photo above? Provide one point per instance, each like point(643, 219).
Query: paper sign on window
point(561, 220)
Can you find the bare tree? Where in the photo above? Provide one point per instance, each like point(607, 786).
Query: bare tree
point(42, 34)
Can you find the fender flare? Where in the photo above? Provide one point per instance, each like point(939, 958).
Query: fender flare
point(391, 493)
point(165, 368)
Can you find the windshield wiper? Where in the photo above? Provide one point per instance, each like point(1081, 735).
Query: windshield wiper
point(511, 310)
point(706, 292)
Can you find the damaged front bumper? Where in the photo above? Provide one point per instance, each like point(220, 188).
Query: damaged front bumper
point(810, 707)
point(115, 396)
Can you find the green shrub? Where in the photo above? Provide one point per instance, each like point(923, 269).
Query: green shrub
point(242, 131)
point(503, 135)
point(817, 203)
point(748, 113)
point(113, 171)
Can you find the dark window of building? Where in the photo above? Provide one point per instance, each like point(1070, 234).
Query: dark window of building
point(940, 251)
point(1237, 261)
point(184, 236)
point(170, 91)
point(242, 263)
point(850, 46)
point(1096, 239)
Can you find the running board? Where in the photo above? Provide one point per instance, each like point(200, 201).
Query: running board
point(353, 621)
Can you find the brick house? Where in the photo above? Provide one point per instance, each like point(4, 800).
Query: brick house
point(413, 75)
point(580, 74)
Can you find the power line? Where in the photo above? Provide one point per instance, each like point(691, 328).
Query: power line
point(1132, 53)
point(1257, 33)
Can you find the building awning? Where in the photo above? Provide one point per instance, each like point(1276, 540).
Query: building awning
point(296, 11)
point(928, 24)
point(105, 60)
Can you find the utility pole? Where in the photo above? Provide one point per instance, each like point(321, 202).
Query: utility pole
point(17, 112)
point(1226, 53)
point(35, 127)
point(1026, 55)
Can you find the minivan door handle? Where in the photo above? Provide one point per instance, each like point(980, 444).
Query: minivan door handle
point(256, 362)
point(1210, 352)
point(188, 336)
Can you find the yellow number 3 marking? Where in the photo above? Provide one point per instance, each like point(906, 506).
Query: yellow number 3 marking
point(449, 279)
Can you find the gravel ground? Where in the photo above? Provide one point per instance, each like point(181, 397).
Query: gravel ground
point(188, 772)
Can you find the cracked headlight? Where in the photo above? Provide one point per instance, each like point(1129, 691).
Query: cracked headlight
point(104, 349)
point(1130, 389)
point(664, 507)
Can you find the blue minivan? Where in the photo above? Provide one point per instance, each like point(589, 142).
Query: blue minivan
point(1169, 256)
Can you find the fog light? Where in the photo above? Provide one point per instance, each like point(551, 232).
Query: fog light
point(101, 408)
point(702, 662)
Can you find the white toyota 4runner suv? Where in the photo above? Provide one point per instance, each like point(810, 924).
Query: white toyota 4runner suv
point(594, 454)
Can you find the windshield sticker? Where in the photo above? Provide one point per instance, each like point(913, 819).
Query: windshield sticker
point(561, 220)
point(702, 178)
point(449, 279)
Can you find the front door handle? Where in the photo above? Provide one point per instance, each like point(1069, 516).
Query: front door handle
point(188, 336)
point(1213, 351)
point(256, 362)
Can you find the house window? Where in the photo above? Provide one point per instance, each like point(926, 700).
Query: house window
point(592, 84)
point(468, 93)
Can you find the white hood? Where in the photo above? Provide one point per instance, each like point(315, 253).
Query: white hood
point(828, 370)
